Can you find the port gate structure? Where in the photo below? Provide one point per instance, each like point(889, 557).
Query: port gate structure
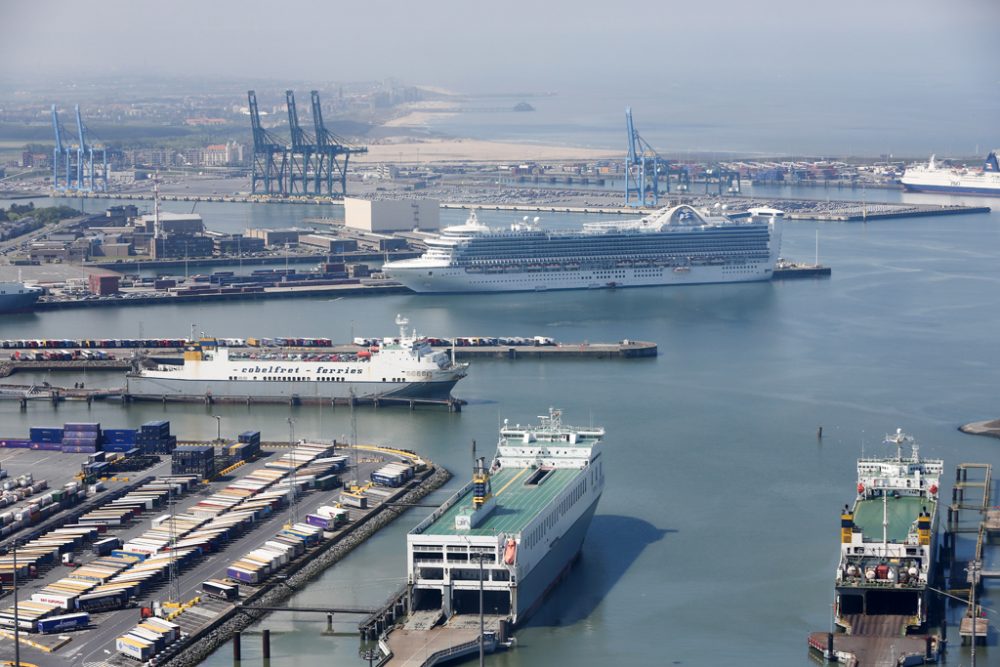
point(310, 164)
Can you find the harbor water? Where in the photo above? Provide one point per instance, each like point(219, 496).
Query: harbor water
point(717, 536)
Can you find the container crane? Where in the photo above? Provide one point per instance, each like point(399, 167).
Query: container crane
point(329, 148)
point(300, 157)
point(270, 158)
point(643, 167)
point(57, 155)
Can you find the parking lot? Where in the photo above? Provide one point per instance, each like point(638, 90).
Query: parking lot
point(95, 644)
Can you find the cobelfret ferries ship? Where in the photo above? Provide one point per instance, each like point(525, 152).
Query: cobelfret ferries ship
point(406, 368)
point(673, 246)
point(887, 541)
point(932, 178)
point(525, 516)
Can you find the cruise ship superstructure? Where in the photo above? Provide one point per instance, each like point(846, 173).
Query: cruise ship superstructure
point(401, 368)
point(887, 539)
point(673, 246)
point(524, 518)
point(932, 177)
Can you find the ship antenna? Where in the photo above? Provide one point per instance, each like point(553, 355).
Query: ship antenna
point(401, 322)
point(885, 521)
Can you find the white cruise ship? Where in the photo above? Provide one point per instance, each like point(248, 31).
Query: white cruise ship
point(674, 246)
point(931, 177)
point(403, 368)
point(522, 520)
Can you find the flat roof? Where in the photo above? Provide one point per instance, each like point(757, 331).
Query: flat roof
point(901, 511)
point(517, 503)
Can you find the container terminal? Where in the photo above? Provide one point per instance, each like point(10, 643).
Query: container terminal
point(131, 545)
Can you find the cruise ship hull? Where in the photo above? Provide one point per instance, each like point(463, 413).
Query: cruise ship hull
point(179, 389)
point(458, 280)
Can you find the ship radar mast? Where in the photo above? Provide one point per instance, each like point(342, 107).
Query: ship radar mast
point(899, 439)
point(402, 323)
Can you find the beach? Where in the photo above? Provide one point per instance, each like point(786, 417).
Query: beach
point(475, 150)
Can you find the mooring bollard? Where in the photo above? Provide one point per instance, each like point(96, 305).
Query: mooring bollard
point(236, 646)
point(266, 640)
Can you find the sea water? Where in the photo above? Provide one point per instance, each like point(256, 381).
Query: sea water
point(716, 540)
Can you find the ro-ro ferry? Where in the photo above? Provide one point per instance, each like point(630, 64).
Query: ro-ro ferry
point(401, 368)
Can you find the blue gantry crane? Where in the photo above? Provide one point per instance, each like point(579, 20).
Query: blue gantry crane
point(60, 155)
point(308, 164)
point(329, 149)
point(300, 154)
point(270, 157)
point(80, 174)
point(643, 168)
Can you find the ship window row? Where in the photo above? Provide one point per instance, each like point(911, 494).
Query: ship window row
point(539, 531)
point(630, 247)
point(630, 254)
point(613, 248)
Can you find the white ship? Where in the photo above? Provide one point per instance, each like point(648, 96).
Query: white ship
point(674, 246)
point(933, 178)
point(522, 520)
point(397, 368)
point(17, 297)
point(887, 542)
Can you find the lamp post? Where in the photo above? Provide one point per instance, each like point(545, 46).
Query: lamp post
point(973, 571)
point(482, 652)
point(218, 428)
point(17, 622)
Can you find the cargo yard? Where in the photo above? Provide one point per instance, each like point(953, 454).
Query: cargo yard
point(137, 556)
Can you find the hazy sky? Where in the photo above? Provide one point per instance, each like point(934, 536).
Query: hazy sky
point(831, 76)
point(540, 45)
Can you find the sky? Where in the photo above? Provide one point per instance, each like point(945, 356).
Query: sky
point(472, 45)
point(934, 64)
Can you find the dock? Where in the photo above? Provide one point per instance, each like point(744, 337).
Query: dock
point(974, 480)
point(371, 288)
point(793, 271)
point(881, 639)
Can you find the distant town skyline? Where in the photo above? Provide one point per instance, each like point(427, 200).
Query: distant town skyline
point(782, 76)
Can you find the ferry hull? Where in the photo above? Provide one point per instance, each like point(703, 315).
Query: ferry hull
point(18, 303)
point(176, 389)
point(457, 280)
point(546, 575)
point(953, 189)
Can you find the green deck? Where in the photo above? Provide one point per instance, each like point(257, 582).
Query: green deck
point(901, 512)
point(516, 503)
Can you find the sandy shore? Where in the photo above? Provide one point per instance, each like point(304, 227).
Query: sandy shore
point(420, 114)
point(474, 150)
point(416, 119)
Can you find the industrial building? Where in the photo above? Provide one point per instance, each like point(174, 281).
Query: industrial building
point(391, 215)
point(172, 223)
point(328, 244)
point(275, 237)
